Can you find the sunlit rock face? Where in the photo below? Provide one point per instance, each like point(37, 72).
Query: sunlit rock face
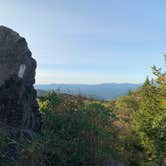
point(18, 105)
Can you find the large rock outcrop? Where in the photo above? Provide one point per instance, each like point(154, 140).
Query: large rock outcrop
point(18, 105)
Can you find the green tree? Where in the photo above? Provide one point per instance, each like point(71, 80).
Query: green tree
point(148, 123)
point(74, 133)
point(147, 82)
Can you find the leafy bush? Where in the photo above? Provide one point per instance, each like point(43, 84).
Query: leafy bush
point(79, 135)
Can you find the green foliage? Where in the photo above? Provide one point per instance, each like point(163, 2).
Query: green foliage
point(125, 106)
point(147, 82)
point(79, 135)
point(127, 141)
point(84, 131)
point(149, 123)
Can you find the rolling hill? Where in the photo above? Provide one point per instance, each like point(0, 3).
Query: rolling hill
point(99, 91)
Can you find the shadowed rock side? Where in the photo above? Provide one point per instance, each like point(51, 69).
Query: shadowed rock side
point(18, 105)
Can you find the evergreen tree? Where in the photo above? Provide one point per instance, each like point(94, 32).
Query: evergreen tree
point(129, 92)
point(147, 82)
point(152, 81)
point(149, 123)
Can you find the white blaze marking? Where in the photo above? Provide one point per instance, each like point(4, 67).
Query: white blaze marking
point(21, 70)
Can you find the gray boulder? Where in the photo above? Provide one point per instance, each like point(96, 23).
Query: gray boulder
point(18, 105)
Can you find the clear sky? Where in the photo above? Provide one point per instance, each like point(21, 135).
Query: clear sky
point(90, 41)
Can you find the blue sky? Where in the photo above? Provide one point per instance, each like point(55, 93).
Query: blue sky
point(90, 41)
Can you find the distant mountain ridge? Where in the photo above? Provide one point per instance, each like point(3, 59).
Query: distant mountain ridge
point(103, 91)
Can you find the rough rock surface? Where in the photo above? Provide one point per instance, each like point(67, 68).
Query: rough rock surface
point(18, 105)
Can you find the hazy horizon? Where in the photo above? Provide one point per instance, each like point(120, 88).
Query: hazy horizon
point(88, 83)
point(90, 42)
